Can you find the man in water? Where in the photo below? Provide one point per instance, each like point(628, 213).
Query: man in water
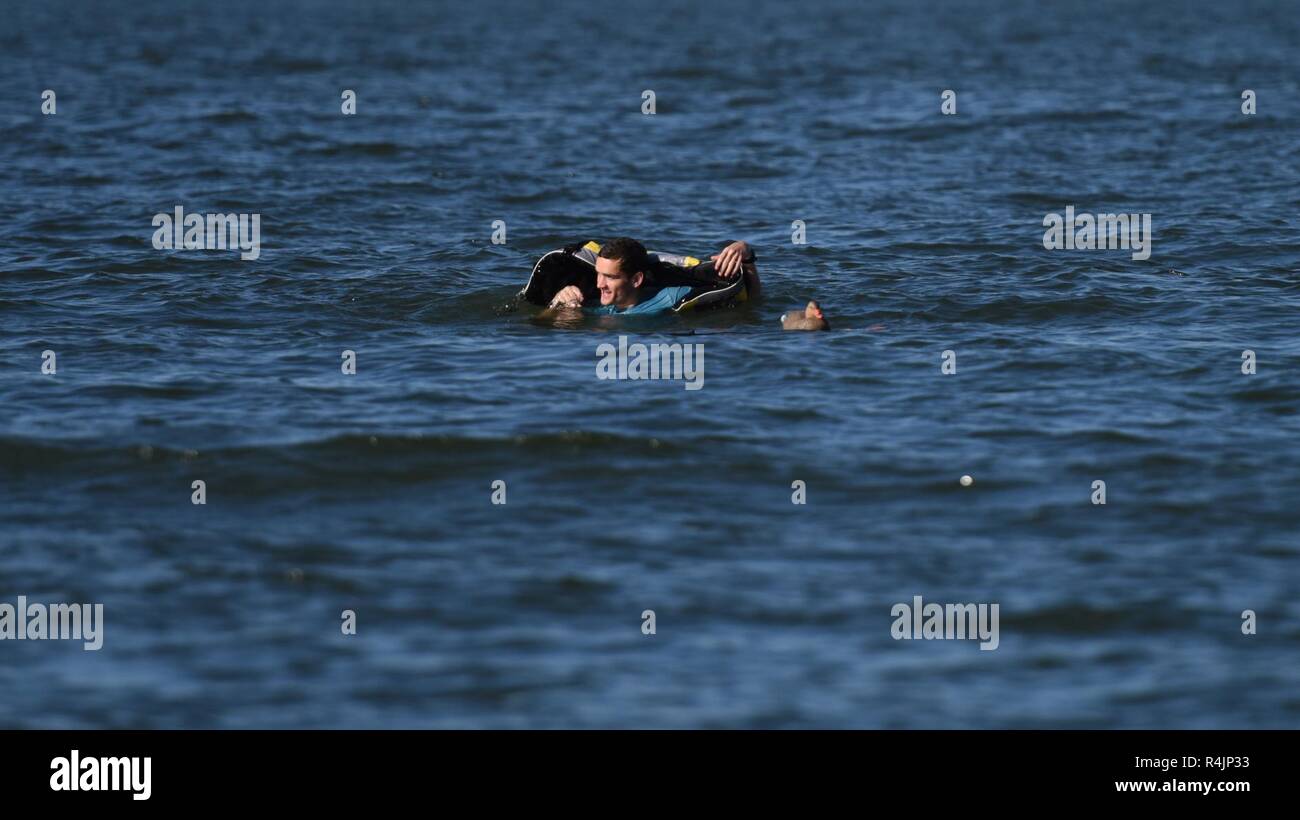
point(622, 277)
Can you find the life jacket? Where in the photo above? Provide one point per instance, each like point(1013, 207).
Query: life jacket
point(576, 265)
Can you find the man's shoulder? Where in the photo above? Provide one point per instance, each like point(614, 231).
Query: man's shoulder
point(666, 299)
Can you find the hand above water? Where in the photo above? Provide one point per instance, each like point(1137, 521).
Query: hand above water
point(569, 296)
point(729, 262)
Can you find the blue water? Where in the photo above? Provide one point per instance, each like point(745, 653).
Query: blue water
point(372, 492)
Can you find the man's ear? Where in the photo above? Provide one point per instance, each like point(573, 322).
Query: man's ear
point(638, 279)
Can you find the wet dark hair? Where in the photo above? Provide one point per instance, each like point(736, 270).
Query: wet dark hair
point(629, 253)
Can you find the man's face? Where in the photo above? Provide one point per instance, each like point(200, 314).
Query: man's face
point(616, 287)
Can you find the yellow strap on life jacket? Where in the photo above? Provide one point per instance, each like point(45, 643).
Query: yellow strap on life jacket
point(594, 247)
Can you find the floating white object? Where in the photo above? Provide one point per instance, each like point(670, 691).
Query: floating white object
point(966, 481)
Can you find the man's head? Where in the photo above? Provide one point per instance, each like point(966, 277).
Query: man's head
point(621, 270)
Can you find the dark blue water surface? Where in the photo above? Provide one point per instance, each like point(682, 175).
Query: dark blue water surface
point(372, 492)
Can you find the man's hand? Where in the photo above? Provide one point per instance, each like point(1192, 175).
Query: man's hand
point(569, 296)
point(728, 263)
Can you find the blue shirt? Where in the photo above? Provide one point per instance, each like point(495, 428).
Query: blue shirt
point(662, 301)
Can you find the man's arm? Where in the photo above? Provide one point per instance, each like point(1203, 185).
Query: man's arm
point(736, 259)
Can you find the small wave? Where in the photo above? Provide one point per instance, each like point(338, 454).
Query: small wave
point(341, 451)
point(283, 63)
point(1284, 399)
point(1085, 619)
point(1106, 437)
point(1013, 308)
point(152, 391)
point(369, 149)
point(228, 117)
